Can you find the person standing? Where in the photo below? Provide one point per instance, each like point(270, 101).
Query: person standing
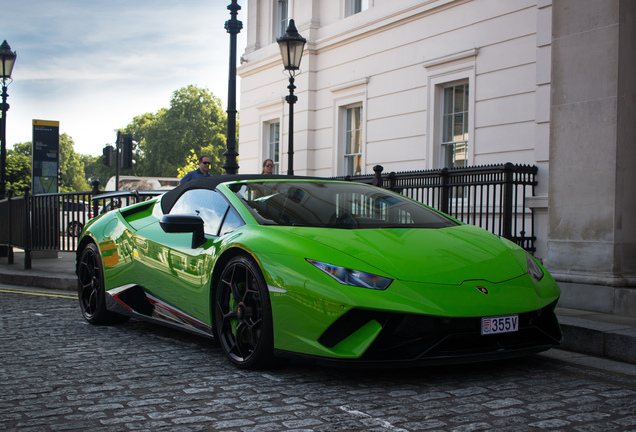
point(268, 166)
point(202, 171)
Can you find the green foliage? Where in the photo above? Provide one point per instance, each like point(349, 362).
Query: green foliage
point(141, 127)
point(19, 167)
point(23, 148)
point(195, 121)
point(192, 163)
point(96, 170)
point(72, 176)
point(71, 168)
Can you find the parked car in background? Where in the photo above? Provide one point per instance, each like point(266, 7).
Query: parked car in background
point(129, 183)
point(143, 185)
point(73, 216)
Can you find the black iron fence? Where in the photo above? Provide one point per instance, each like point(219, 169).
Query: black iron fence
point(53, 222)
point(43, 222)
point(492, 197)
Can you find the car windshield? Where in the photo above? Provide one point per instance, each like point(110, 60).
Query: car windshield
point(334, 205)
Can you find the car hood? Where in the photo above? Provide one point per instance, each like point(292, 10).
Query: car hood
point(443, 256)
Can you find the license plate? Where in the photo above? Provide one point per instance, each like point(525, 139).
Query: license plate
point(501, 324)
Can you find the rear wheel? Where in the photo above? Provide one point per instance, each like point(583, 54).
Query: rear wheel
point(243, 315)
point(91, 291)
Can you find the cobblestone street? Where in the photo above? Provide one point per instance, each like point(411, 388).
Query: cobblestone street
point(58, 373)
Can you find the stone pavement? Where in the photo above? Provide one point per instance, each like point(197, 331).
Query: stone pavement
point(602, 335)
point(58, 374)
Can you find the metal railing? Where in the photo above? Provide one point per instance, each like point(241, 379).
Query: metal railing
point(53, 222)
point(14, 226)
point(492, 197)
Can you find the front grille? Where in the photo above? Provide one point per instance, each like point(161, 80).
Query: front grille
point(417, 337)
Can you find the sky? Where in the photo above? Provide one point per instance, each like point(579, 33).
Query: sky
point(94, 65)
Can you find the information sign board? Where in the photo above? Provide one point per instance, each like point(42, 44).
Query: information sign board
point(45, 156)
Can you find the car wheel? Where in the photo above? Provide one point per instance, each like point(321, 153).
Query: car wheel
point(243, 316)
point(91, 291)
point(74, 229)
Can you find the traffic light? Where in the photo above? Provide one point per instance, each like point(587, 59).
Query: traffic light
point(127, 151)
point(108, 156)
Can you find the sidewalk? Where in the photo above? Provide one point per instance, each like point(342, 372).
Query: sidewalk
point(55, 273)
point(602, 335)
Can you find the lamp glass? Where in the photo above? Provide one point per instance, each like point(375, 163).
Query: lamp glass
point(291, 47)
point(292, 53)
point(7, 60)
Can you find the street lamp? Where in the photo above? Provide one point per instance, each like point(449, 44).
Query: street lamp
point(7, 60)
point(233, 26)
point(291, 49)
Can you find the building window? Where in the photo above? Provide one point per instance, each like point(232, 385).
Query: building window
point(451, 96)
point(353, 141)
point(282, 17)
point(454, 152)
point(273, 145)
point(355, 6)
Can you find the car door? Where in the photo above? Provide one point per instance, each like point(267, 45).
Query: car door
point(175, 274)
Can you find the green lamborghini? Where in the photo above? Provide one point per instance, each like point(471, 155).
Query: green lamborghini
point(277, 266)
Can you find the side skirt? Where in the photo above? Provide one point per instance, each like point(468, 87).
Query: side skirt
point(133, 301)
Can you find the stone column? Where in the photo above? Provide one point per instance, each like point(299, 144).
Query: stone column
point(592, 187)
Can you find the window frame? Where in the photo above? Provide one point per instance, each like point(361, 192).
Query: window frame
point(352, 7)
point(345, 96)
point(273, 153)
point(271, 112)
point(442, 72)
point(449, 150)
point(348, 138)
point(282, 16)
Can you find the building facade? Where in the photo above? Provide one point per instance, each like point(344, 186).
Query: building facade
point(416, 84)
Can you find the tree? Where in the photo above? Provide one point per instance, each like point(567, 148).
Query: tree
point(72, 176)
point(141, 127)
point(192, 163)
point(71, 168)
point(19, 167)
point(96, 170)
point(195, 121)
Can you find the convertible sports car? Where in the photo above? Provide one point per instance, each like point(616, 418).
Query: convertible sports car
point(336, 271)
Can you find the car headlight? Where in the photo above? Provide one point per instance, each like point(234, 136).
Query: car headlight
point(347, 276)
point(533, 268)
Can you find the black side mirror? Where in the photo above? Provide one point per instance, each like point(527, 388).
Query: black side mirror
point(185, 223)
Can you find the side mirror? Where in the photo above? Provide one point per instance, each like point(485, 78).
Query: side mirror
point(185, 223)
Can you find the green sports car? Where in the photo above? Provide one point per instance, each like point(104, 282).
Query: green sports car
point(274, 266)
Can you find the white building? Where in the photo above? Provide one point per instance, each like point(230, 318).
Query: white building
point(423, 84)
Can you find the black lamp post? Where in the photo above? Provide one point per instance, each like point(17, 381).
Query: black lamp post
point(291, 49)
point(7, 60)
point(233, 27)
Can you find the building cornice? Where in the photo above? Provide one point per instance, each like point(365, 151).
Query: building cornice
point(348, 85)
point(461, 55)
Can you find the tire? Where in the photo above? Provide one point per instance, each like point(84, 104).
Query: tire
point(74, 229)
point(243, 315)
point(90, 288)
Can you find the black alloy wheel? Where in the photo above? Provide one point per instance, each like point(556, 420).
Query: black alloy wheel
point(90, 287)
point(243, 316)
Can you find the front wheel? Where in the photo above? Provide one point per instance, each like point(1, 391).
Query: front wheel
point(243, 314)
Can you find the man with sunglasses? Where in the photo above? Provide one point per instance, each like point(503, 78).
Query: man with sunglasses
point(202, 171)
